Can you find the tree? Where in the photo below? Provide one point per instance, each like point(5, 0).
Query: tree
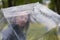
point(57, 2)
point(55, 5)
point(3, 3)
point(52, 5)
point(10, 3)
point(20, 2)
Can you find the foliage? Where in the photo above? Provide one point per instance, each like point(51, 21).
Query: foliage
point(55, 5)
point(52, 5)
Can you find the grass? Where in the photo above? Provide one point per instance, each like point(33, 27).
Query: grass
point(51, 35)
point(36, 31)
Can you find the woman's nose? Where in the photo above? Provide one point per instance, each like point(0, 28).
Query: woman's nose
point(23, 20)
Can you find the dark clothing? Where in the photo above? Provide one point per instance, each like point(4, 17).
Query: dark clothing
point(13, 33)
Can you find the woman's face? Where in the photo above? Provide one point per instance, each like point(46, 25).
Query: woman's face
point(21, 20)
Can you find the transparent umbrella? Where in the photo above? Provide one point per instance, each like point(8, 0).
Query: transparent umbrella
point(41, 19)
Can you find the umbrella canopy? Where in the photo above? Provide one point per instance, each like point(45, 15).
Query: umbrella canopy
point(39, 14)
